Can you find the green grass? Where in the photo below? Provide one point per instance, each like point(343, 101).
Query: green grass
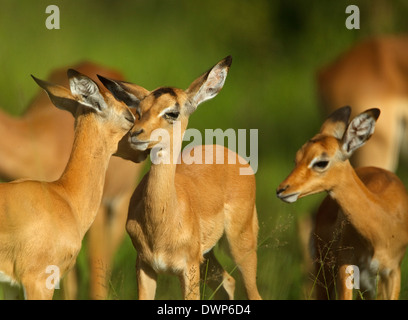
point(277, 47)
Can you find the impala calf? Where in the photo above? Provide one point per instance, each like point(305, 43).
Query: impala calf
point(178, 212)
point(37, 145)
point(364, 219)
point(42, 224)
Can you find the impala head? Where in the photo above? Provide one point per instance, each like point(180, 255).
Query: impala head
point(85, 97)
point(166, 106)
point(320, 162)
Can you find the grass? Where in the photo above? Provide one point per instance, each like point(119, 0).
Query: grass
point(277, 46)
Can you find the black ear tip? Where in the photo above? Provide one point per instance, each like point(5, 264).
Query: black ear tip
point(71, 73)
point(341, 114)
point(227, 61)
point(40, 82)
point(375, 113)
point(108, 83)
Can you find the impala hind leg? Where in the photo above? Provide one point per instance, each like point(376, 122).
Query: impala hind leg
point(242, 239)
point(146, 280)
point(190, 281)
point(219, 280)
point(35, 289)
point(390, 286)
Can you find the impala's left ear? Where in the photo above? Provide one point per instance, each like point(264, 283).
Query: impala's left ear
point(86, 91)
point(336, 123)
point(60, 96)
point(359, 130)
point(209, 84)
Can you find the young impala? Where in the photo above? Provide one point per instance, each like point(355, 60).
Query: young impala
point(178, 212)
point(42, 224)
point(363, 221)
point(37, 145)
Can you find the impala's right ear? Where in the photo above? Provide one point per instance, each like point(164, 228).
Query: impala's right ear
point(60, 96)
point(131, 94)
point(208, 84)
point(359, 130)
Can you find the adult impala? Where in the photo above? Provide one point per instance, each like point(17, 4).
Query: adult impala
point(37, 146)
point(364, 219)
point(43, 223)
point(179, 212)
point(372, 73)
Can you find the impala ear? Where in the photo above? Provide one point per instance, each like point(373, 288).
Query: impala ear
point(60, 96)
point(209, 84)
point(86, 91)
point(336, 124)
point(131, 94)
point(359, 131)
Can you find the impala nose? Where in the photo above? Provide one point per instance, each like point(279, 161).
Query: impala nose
point(280, 190)
point(135, 132)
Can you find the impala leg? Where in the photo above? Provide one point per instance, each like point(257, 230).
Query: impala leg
point(98, 264)
point(146, 280)
point(190, 282)
point(392, 285)
point(344, 286)
point(70, 285)
point(243, 244)
point(35, 289)
point(215, 276)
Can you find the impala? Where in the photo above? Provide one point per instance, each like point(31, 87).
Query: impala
point(363, 221)
point(372, 73)
point(43, 223)
point(37, 145)
point(178, 212)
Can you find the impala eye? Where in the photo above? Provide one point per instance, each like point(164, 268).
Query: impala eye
point(320, 164)
point(173, 115)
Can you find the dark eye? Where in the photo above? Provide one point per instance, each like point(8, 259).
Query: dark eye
point(320, 164)
point(138, 113)
point(173, 115)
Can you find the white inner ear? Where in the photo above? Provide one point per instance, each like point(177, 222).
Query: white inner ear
point(358, 132)
point(82, 86)
point(211, 86)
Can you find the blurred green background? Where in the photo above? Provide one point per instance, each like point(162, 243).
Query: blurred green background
point(277, 47)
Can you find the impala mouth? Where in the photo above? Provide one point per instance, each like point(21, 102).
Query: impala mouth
point(289, 198)
point(138, 145)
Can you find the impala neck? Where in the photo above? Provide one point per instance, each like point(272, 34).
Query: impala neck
point(161, 195)
point(361, 206)
point(84, 175)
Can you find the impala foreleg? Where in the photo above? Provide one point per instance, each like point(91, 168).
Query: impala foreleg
point(146, 280)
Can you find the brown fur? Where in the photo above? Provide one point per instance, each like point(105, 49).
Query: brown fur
point(179, 211)
point(363, 221)
point(43, 223)
point(37, 146)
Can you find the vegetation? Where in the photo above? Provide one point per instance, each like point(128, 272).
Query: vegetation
point(277, 47)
